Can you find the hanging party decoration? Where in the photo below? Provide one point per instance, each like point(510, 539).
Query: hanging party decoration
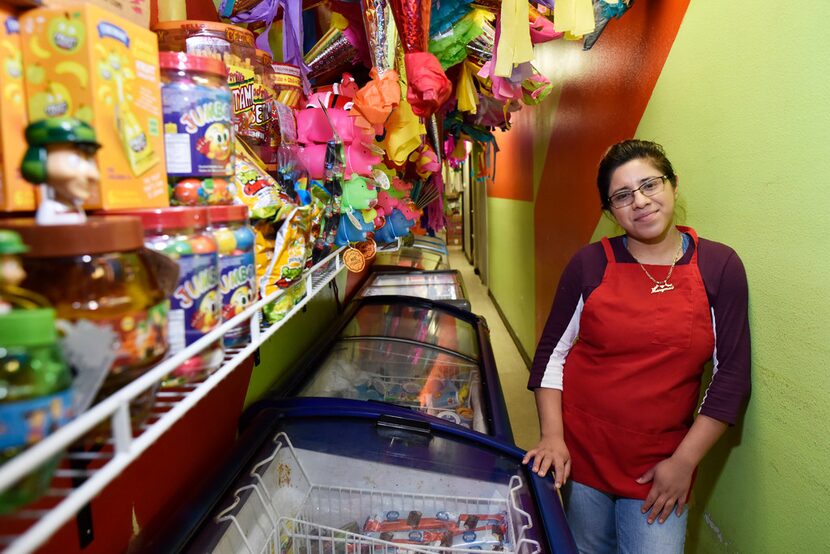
point(265, 11)
point(428, 87)
point(604, 11)
point(340, 47)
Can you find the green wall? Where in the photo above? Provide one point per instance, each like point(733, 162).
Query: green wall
point(289, 343)
point(510, 265)
point(742, 109)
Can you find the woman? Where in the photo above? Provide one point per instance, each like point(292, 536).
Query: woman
point(618, 370)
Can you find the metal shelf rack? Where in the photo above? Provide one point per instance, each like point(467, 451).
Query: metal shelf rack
point(124, 447)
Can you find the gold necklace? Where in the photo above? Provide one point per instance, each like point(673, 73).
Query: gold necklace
point(664, 285)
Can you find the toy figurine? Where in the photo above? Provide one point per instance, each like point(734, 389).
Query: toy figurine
point(61, 159)
point(12, 274)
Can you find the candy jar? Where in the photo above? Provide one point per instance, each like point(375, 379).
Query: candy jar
point(237, 276)
point(198, 128)
point(35, 396)
point(111, 310)
point(195, 305)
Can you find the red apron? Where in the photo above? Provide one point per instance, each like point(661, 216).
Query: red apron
point(632, 380)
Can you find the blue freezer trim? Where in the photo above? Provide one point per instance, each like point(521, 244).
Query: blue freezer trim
point(543, 490)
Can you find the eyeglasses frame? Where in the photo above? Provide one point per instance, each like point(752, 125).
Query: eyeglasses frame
point(648, 181)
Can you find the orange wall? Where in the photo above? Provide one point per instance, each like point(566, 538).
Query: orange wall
point(602, 99)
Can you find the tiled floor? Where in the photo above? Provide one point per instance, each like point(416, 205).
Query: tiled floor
point(513, 374)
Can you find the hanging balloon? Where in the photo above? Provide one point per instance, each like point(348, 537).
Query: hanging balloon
point(429, 87)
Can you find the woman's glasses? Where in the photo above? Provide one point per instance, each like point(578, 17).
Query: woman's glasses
point(649, 187)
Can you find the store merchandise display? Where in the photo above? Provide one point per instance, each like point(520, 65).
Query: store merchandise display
point(198, 129)
point(177, 175)
point(195, 303)
point(237, 278)
point(110, 307)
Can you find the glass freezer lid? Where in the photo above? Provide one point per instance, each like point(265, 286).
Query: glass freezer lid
point(432, 292)
point(392, 279)
point(416, 258)
point(343, 484)
point(423, 378)
point(415, 324)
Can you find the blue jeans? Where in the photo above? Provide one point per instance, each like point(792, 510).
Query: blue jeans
point(606, 524)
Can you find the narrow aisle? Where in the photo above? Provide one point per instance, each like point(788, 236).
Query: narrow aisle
point(513, 373)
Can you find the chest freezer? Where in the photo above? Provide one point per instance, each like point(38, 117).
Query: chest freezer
point(446, 286)
point(410, 257)
point(341, 476)
point(424, 355)
point(427, 243)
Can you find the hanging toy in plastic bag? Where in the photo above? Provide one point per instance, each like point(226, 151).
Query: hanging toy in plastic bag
point(358, 194)
point(397, 225)
point(352, 228)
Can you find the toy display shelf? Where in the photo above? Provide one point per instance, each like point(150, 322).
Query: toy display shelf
point(124, 446)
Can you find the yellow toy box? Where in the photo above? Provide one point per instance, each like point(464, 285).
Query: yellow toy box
point(86, 63)
point(15, 193)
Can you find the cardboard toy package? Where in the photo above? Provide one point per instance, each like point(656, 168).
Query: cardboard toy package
point(87, 63)
point(15, 193)
point(137, 11)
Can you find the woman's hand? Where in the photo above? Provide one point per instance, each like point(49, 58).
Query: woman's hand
point(550, 453)
point(671, 480)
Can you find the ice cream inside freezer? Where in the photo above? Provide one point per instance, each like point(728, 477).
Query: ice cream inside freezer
point(387, 493)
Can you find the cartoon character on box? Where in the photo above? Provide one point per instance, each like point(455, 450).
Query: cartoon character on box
point(61, 159)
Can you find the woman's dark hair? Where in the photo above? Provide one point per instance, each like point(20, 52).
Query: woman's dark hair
point(622, 153)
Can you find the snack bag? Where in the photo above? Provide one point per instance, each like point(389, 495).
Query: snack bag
point(280, 255)
point(256, 189)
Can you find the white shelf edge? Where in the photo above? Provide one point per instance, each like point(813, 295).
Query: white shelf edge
point(129, 447)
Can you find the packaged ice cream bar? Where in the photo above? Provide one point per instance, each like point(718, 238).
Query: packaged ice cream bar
point(435, 537)
point(475, 522)
point(487, 539)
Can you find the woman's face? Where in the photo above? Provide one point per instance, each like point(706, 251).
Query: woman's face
point(649, 217)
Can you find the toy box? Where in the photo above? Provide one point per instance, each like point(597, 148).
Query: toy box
point(137, 11)
point(86, 63)
point(15, 192)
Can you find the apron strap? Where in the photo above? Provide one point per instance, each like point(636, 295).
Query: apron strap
point(691, 232)
point(609, 252)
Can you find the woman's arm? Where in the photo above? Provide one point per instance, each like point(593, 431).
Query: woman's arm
point(672, 477)
point(551, 451)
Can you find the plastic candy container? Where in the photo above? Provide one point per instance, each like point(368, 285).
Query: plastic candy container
point(263, 99)
point(237, 276)
point(288, 85)
point(235, 46)
point(111, 311)
point(36, 395)
point(198, 128)
point(195, 306)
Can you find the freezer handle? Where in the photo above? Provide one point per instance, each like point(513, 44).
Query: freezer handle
point(400, 427)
